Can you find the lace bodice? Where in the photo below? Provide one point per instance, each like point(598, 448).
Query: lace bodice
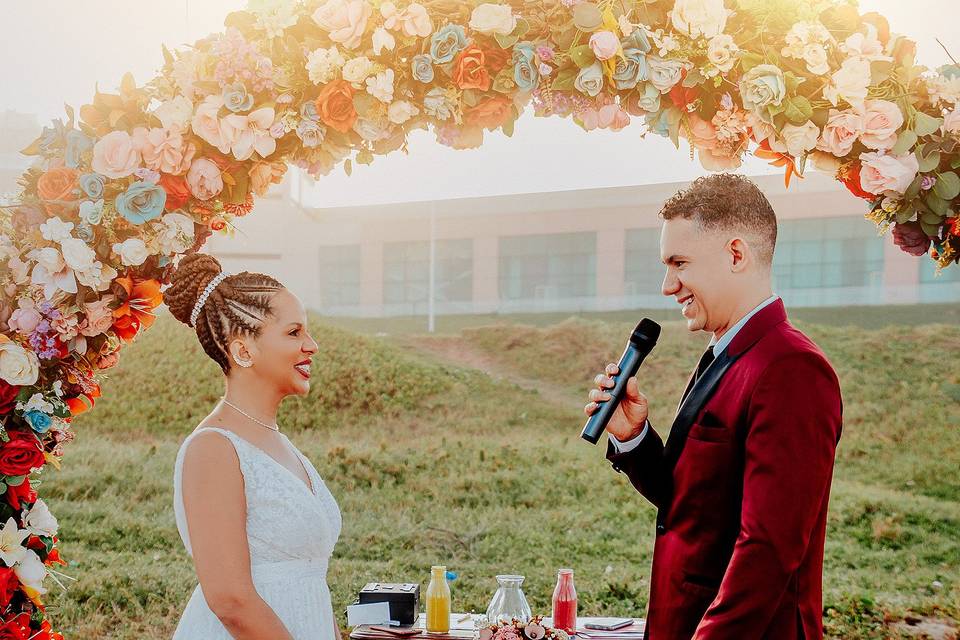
point(285, 519)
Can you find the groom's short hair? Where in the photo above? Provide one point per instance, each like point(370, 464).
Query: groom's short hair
point(727, 202)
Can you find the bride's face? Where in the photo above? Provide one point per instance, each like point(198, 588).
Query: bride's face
point(282, 352)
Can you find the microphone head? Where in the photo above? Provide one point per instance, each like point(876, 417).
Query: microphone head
point(646, 332)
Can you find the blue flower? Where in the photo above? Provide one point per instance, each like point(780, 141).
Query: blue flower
point(236, 98)
point(446, 43)
point(39, 421)
point(525, 72)
point(141, 202)
point(52, 138)
point(631, 69)
point(659, 123)
point(649, 99)
point(92, 185)
point(308, 111)
point(77, 143)
point(310, 133)
point(637, 40)
point(423, 68)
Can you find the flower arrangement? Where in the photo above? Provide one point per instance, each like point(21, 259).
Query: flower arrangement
point(517, 630)
point(140, 177)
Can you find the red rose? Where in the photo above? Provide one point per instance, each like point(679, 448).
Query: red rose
point(9, 583)
point(16, 628)
point(177, 191)
point(851, 180)
point(497, 58)
point(24, 493)
point(490, 113)
point(8, 397)
point(21, 454)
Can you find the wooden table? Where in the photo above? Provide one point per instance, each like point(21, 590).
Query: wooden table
point(462, 629)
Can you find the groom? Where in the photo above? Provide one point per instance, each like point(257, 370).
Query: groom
point(742, 483)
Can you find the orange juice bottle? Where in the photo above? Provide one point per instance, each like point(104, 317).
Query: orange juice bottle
point(438, 601)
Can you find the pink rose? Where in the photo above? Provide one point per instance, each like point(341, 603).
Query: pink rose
point(165, 150)
point(883, 173)
point(108, 360)
point(702, 134)
point(951, 122)
point(841, 131)
point(413, 20)
point(204, 179)
point(25, 318)
point(881, 119)
point(98, 317)
point(66, 326)
point(115, 155)
point(206, 123)
point(604, 44)
point(344, 20)
point(263, 174)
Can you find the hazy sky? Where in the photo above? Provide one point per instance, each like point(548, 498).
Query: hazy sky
point(54, 51)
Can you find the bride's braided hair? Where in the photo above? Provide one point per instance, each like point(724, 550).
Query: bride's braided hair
point(237, 306)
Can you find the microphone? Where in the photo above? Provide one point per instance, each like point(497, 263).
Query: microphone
point(641, 343)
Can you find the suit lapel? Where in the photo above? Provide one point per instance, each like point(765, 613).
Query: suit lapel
point(698, 395)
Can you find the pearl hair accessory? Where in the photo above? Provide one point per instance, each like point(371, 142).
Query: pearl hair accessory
point(202, 300)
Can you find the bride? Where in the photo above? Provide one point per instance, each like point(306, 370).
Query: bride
point(252, 511)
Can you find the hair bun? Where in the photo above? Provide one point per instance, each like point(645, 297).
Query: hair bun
point(192, 275)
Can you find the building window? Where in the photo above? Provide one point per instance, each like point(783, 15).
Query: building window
point(406, 272)
point(928, 273)
point(642, 270)
point(562, 265)
point(824, 253)
point(339, 276)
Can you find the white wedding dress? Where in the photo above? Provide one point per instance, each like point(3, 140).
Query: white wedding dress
point(291, 531)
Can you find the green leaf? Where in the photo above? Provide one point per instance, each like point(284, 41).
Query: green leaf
point(15, 481)
point(798, 110)
point(522, 28)
point(348, 167)
point(792, 82)
point(564, 80)
point(906, 140)
point(955, 163)
point(937, 204)
point(582, 56)
point(947, 186)
point(913, 190)
point(508, 127)
point(930, 229)
point(930, 218)
point(506, 41)
point(930, 162)
point(924, 124)
point(880, 70)
point(587, 16)
point(693, 78)
point(750, 60)
point(904, 215)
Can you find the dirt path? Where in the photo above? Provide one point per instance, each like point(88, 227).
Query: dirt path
point(456, 351)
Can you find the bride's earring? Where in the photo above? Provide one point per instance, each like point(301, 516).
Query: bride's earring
point(243, 363)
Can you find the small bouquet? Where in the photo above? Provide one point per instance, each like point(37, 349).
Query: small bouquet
point(519, 630)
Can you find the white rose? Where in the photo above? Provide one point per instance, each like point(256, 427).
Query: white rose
point(722, 52)
point(132, 251)
point(951, 122)
point(370, 130)
point(176, 233)
point(49, 258)
point(800, 138)
point(98, 277)
point(383, 39)
point(323, 64)
point(849, 83)
point(77, 254)
point(381, 86)
point(31, 572)
point(18, 367)
point(815, 55)
point(356, 70)
point(55, 229)
point(40, 521)
point(175, 113)
point(697, 18)
point(665, 74)
point(493, 18)
point(401, 111)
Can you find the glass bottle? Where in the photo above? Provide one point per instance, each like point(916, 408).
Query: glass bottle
point(565, 602)
point(509, 602)
point(438, 601)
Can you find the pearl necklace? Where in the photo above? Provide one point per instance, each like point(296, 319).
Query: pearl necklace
point(272, 427)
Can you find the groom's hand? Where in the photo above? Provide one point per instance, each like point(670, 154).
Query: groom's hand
point(630, 416)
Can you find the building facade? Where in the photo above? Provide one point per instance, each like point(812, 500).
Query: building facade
point(586, 250)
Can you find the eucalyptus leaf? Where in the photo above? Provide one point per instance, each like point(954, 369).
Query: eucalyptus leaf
point(924, 124)
point(906, 140)
point(798, 110)
point(348, 167)
point(750, 60)
point(930, 229)
point(937, 204)
point(564, 80)
point(947, 185)
point(904, 215)
point(15, 481)
point(931, 218)
point(583, 56)
point(587, 16)
point(930, 162)
point(506, 41)
point(913, 190)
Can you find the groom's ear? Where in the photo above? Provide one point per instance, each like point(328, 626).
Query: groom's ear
point(738, 251)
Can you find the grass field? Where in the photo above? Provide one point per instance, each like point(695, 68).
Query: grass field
point(447, 450)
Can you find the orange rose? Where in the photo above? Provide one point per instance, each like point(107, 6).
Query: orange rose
point(335, 106)
point(178, 192)
point(469, 71)
point(59, 183)
point(490, 113)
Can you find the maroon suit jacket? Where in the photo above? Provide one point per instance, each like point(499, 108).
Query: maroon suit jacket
point(741, 488)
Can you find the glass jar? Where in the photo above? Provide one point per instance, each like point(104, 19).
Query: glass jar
point(509, 602)
point(438, 601)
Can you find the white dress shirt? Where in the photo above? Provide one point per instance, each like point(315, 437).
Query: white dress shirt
point(719, 346)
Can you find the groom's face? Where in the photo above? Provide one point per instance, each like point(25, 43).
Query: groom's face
point(698, 273)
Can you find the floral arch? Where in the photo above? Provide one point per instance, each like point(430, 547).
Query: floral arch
point(146, 175)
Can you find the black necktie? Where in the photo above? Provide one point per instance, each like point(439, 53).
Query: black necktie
point(705, 361)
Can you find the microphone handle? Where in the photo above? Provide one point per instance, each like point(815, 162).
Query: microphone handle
point(629, 365)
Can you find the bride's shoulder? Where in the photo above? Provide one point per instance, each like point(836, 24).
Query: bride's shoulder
point(209, 445)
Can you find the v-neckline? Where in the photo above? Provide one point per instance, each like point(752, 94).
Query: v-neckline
point(309, 485)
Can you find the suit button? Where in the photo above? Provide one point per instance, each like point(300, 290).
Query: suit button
point(661, 529)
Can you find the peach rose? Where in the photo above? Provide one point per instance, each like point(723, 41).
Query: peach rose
point(881, 172)
point(115, 155)
point(841, 131)
point(204, 179)
point(58, 184)
point(490, 113)
point(702, 133)
point(344, 20)
point(413, 19)
point(98, 317)
point(335, 106)
point(206, 123)
point(165, 150)
point(469, 71)
point(881, 120)
point(263, 174)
